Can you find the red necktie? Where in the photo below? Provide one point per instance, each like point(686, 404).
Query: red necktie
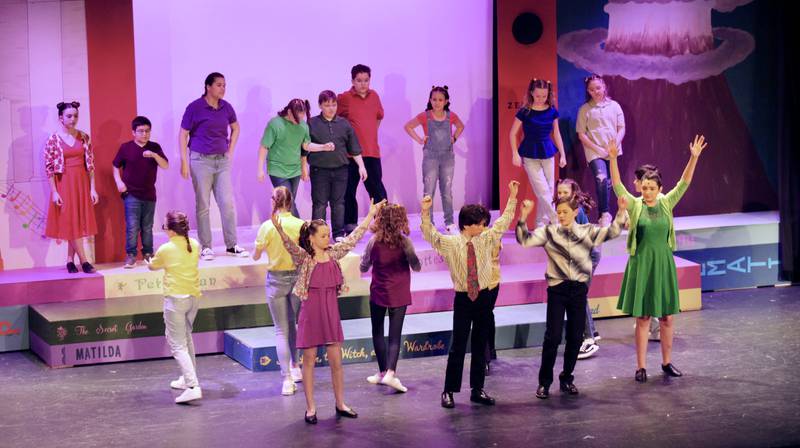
point(473, 285)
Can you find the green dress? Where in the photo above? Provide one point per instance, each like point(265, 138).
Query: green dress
point(650, 284)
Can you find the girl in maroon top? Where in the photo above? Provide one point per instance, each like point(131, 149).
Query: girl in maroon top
point(391, 254)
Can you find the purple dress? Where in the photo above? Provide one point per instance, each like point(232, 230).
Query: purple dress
point(319, 322)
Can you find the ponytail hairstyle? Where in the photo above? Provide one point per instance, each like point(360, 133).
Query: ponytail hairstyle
point(443, 91)
point(390, 225)
point(179, 223)
point(296, 107)
point(588, 80)
point(306, 230)
point(210, 79)
point(538, 84)
point(581, 198)
point(281, 199)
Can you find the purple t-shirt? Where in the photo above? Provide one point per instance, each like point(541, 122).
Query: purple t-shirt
point(208, 127)
point(139, 172)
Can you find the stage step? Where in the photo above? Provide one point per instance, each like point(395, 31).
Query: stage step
point(423, 335)
point(95, 331)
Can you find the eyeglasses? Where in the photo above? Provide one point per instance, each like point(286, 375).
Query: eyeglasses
point(63, 105)
point(142, 131)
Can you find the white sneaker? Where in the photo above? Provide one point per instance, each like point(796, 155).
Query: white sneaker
point(654, 335)
point(394, 382)
point(237, 251)
point(452, 229)
point(207, 254)
point(190, 394)
point(297, 374)
point(180, 383)
point(588, 349)
point(375, 379)
point(288, 387)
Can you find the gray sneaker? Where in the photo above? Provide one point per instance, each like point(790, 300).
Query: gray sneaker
point(130, 261)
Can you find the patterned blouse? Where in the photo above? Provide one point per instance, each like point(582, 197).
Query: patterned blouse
point(54, 154)
point(306, 263)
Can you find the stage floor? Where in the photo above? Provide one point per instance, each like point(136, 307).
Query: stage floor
point(739, 356)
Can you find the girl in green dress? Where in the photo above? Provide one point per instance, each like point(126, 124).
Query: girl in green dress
point(650, 285)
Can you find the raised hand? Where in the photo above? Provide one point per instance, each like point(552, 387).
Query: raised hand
point(613, 149)
point(426, 203)
point(513, 189)
point(527, 207)
point(622, 203)
point(375, 208)
point(276, 221)
point(698, 145)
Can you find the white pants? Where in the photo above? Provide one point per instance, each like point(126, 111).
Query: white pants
point(540, 174)
point(179, 314)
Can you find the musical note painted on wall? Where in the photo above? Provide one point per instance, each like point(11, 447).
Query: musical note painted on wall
point(23, 206)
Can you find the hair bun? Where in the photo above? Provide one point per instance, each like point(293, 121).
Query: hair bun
point(445, 87)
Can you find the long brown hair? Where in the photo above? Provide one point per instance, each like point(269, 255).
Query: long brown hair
point(391, 225)
point(179, 223)
point(306, 230)
point(581, 198)
point(538, 84)
point(295, 107)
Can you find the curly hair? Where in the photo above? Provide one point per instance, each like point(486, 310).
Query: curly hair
point(306, 230)
point(582, 198)
point(391, 225)
point(179, 223)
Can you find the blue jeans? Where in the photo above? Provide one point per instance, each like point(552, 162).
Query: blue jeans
point(212, 172)
point(292, 184)
point(602, 182)
point(284, 307)
point(439, 166)
point(139, 218)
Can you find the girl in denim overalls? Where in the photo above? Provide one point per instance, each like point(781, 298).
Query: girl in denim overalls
point(438, 161)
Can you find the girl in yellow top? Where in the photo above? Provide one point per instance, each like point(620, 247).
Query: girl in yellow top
point(179, 258)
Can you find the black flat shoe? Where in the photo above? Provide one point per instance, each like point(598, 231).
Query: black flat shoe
point(641, 376)
point(350, 413)
point(569, 388)
point(670, 370)
point(447, 400)
point(311, 419)
point(542, 392)
point(88, 268)
point(71, 268)
point(480, 396)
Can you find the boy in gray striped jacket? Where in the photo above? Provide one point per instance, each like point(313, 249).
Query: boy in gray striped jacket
point(569, 268)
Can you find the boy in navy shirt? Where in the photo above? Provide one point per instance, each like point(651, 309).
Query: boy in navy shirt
point(139, 160)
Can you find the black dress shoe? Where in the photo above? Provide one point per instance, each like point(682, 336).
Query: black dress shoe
point(569, 388)
point(350, 413)
point(447, 400)
point(670, 370)
point(641, 376)
point(542, 392)
point(71, 268)
point(311, 419)
point(480, 396)
point(88, 268)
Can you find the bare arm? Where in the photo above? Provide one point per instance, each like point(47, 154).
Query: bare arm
point(459, 128)
point(512, 138)
point(183, 147)
point(562, 161)
point(262, 160)
point(695, 149)
point(410, 130)
point(234, 138)
point(118, 180)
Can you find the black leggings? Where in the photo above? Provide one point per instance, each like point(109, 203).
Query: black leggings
point(387, 355)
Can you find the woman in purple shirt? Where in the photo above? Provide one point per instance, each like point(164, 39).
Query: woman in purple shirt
point(206, 155)
point(391, 254)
